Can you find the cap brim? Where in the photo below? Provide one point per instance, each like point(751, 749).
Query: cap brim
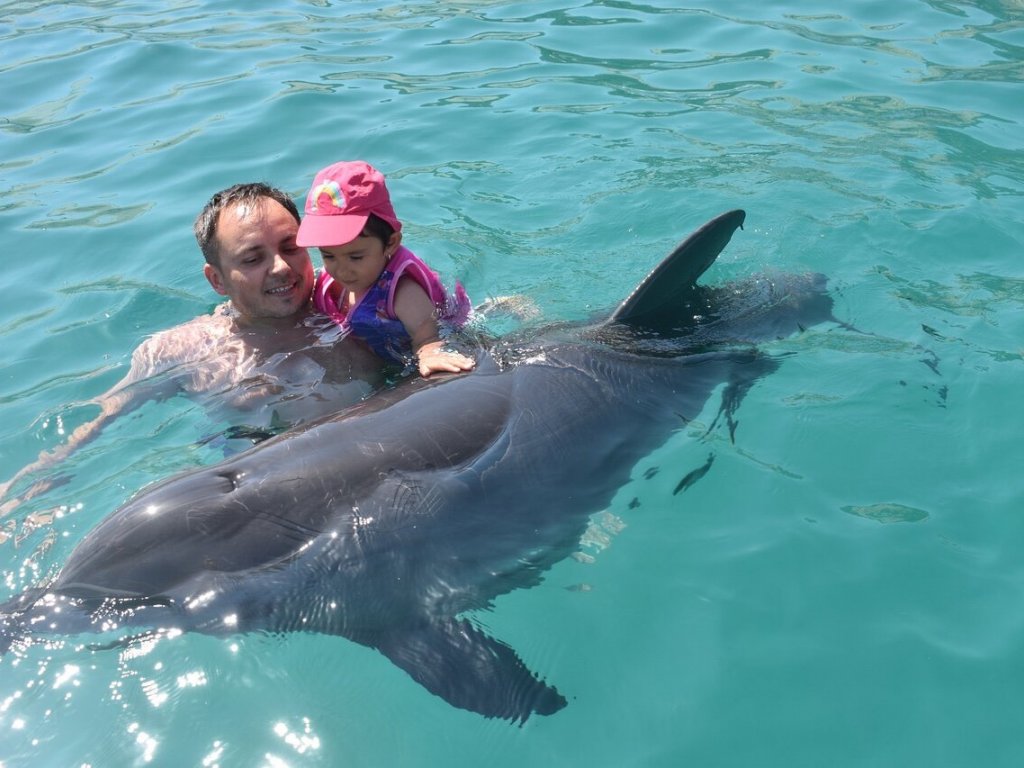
point(325, 231)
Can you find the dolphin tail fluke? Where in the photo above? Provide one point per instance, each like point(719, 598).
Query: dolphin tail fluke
point(655, 303)
point(470, 670)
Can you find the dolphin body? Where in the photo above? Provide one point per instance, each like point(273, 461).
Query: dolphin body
point(389, 521)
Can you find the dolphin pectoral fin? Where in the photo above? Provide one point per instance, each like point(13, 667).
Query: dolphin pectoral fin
point(470, 670)
point(741, 379)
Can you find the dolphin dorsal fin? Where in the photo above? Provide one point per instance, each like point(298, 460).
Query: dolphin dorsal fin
point(674, 279)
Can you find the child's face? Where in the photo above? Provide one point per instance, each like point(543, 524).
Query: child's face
point(357, 264)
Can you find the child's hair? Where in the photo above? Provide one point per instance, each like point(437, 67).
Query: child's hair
point(377, 227)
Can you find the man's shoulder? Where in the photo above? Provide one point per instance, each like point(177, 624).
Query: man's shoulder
point(189, 341)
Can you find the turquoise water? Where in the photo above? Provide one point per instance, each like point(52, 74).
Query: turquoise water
point(843, 588)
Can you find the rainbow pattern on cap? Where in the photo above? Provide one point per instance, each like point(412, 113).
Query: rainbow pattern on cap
point(332, 190)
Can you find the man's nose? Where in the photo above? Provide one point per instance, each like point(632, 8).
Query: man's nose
point(279, 264)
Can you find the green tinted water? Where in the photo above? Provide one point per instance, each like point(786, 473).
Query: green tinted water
point(844, 587)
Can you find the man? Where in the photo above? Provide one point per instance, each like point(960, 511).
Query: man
point(264, 357)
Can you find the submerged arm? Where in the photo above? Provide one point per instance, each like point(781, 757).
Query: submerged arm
point(136, 388)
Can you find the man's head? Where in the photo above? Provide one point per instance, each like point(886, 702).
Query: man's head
point(250, 194)
point(247, 235)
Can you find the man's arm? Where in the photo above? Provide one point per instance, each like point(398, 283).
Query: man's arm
point(139, 386)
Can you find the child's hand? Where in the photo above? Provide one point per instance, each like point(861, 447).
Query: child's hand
point(433, 357)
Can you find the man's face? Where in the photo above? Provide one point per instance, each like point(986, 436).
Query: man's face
point(264, 273)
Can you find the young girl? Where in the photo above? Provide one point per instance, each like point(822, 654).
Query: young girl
point(374, 286)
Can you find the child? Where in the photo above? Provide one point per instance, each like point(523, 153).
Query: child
point(375, 287)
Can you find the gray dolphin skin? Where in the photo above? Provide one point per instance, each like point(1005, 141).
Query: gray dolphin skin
point(388, 523)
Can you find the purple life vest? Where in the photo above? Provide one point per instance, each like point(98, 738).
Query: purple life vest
point(373, 318)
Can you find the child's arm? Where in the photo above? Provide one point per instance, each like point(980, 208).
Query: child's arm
point(417, 313)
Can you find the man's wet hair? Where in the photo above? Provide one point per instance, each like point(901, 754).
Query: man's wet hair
point(205, 227)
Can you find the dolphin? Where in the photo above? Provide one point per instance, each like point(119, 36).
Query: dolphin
point(390, 522)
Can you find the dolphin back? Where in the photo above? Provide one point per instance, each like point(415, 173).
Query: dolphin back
point(655, 304)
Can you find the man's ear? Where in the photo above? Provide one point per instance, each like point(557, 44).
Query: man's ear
point(215, 279)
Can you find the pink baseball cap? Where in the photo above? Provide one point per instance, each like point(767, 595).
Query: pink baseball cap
point(339, 202)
